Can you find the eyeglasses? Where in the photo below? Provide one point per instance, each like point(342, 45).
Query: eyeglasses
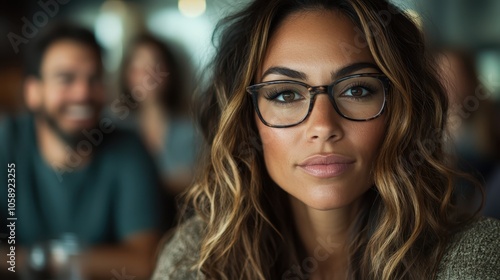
point(286, 103)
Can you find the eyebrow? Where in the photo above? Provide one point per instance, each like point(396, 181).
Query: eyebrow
point(69, 72)
point(294, 74)
point(285, 72)
point(63, 73)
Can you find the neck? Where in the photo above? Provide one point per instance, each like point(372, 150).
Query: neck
point(151, 111)
point(149, 108)
point(324, 235)
point(153, 120)
point(55, 151)
point(150, 102)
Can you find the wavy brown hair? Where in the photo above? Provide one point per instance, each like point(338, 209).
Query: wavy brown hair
point(410, 212)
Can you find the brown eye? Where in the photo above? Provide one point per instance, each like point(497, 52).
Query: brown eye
point(356, 91)
point(288, 96)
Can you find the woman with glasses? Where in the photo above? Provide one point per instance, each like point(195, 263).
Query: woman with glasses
point(324, 160)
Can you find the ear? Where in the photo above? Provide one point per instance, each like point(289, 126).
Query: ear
point(33, 93)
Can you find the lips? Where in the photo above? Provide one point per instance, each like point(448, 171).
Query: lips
point(326, 166)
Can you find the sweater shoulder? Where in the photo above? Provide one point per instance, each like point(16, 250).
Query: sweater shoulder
point(178, 257)
point(473, 252)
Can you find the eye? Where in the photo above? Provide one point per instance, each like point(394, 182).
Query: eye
point(94, 80)
point(357, 91)
point(288, 96)
point(283, 96)
point(66, 78)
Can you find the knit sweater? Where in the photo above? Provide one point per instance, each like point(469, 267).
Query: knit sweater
point(472, 254)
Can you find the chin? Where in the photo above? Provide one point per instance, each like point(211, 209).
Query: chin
point(75, 127)
point(77, 131)
point(329, 198)
point(325, 204)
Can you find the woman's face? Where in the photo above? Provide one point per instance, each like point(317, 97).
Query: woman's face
point(144, 63)
point(326, 161)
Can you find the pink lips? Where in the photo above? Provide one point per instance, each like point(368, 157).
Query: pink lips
point(326, 166)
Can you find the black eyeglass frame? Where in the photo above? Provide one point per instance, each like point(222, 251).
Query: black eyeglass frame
point(315, 90)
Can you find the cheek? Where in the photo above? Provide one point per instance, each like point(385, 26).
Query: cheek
point(135, 76)
point(98, 94)
point(367, 137)
point(278, 147)
point(53, 98)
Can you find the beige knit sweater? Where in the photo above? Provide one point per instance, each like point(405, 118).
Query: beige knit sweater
point(472, 254)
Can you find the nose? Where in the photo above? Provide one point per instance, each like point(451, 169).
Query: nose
point(81, 90)
point(323, 123)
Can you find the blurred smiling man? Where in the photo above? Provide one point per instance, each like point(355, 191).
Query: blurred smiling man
point(66, 94)
point(76, 173)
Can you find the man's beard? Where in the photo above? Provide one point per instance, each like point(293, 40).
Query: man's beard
point(71, 139)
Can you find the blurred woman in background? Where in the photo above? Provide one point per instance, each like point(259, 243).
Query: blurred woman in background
point(153, 79)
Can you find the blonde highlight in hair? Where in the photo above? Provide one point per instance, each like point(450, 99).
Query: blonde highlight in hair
point(403, 232)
